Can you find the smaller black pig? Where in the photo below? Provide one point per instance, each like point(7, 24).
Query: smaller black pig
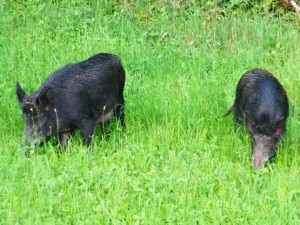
point(77, 96)
point(261, 104)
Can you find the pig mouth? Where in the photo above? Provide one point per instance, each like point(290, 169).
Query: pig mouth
point(35, 142)
point(37, 139)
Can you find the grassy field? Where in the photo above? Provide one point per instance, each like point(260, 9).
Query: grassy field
point(179, 160)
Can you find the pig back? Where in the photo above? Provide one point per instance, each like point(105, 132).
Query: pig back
point(87, 88)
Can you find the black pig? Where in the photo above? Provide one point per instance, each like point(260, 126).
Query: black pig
point(261, 104)
point(77, 96)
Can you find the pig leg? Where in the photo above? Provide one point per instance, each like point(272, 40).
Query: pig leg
point(119, 111)
point(238, 115)
point(87, 130)
point(64, 137)
point(120, 114)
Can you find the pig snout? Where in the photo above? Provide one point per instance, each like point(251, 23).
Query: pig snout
point(259, 160)
point(263, 149)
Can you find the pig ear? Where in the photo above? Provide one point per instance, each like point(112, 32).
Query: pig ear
point(20, 92)
point(45, 99)
point(279, 127)
point(249, 122)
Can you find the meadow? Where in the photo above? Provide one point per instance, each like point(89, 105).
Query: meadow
point(179, 161)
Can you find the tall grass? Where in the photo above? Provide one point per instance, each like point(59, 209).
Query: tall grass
point(179, 161)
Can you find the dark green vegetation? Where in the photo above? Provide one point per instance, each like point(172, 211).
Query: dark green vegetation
point(179, 161)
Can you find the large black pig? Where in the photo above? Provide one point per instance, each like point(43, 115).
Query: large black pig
point(261, 104)
point(77, 96)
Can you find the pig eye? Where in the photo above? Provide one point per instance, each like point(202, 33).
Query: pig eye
point(30, 110)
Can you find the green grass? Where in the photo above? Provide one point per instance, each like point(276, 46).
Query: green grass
point(179, 161)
